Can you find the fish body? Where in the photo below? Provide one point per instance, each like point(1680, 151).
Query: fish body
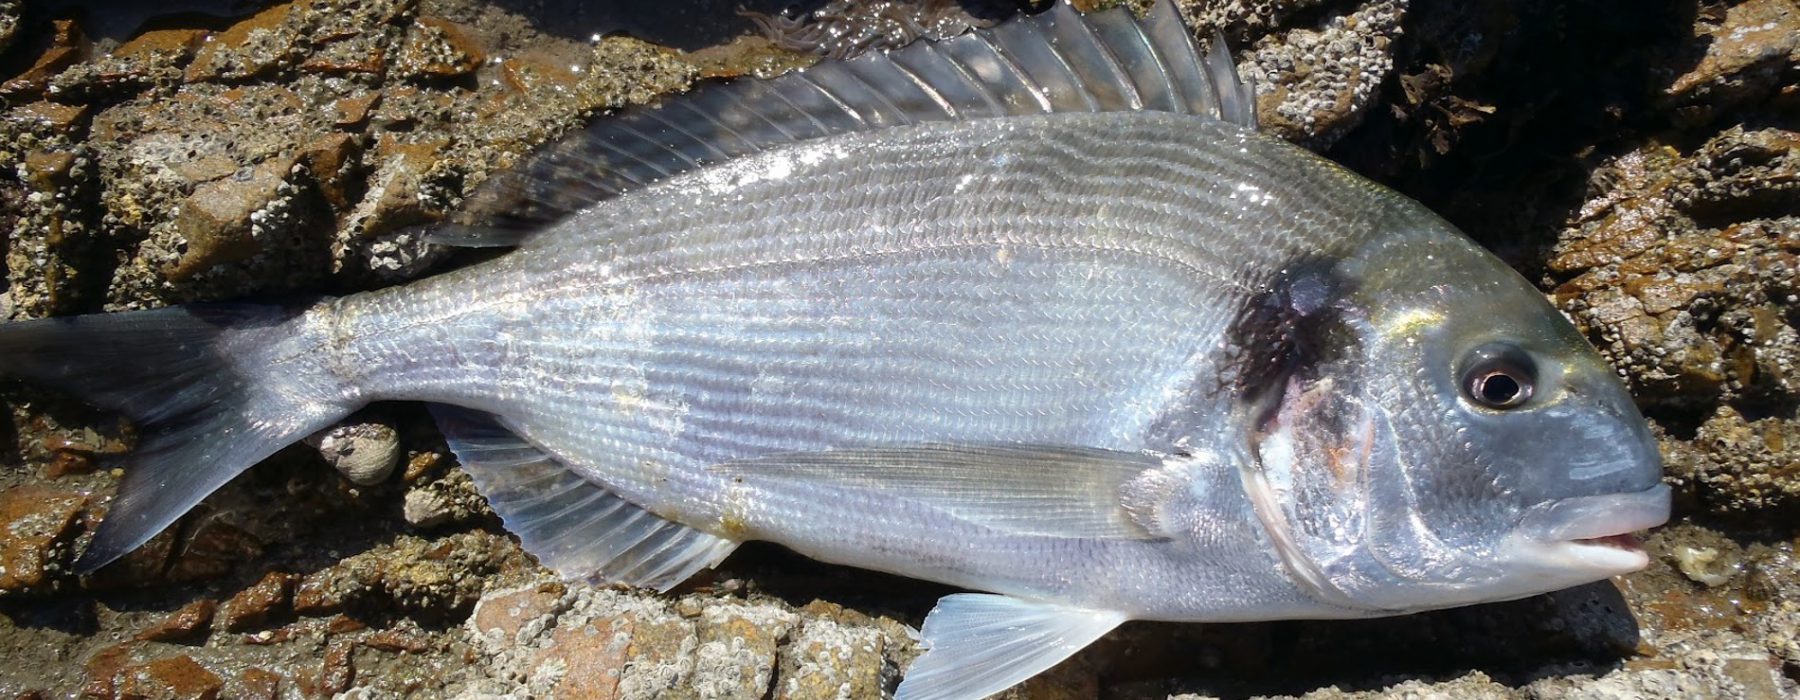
point(1119, 360)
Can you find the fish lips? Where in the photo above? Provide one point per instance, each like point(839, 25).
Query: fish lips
point(1592, 534)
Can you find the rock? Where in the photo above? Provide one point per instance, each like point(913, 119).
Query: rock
point(222, 221)
point(38, 524)
point(842, 28)
point(739, 649)
point(1746, 57)
point(258, 684)
point(258, 604)
point(437, 48)
point(450, 499)
point(256, 46)
point(1313, 85)
point(171, 678)
point(62, 47)
point(337, 670)
point(192, 620)
point(152, 59)
point(212, 548)
point(828, 660)
point(364, 452)
point(9, 22)
point(432, 579)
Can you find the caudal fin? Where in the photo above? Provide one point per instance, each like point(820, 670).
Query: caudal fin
point(212, 389)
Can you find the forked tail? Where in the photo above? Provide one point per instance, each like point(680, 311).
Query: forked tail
point(212, 389)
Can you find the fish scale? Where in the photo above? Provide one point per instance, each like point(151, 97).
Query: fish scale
point(1031, 311)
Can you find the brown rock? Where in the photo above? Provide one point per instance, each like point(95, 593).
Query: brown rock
point(142, 566)
point(214, 549)
point(354, 111)
point(332, 158)
point(438, 48)
point(508, 613)
point(258, 684)
point(57, 117)
point(37, 525)
point(345, 57)
point(594, 654)
point(396, 641)
point(217, 219)
point(317, 594)
point(103, 668)
point(173, 678)
point(67, 43)
point(69, 463)
point(1745, 57)
point(256, 605)
point(154, 57)
point(337, 671)
point(191, 620)
point(255, 46)
point(830, 660)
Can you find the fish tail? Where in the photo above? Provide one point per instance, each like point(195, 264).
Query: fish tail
point(211, 388)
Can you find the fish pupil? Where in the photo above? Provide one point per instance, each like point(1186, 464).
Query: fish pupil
point(1500, 376)
point(1498, 389)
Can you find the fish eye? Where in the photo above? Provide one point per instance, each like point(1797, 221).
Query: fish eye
point(1498, 376)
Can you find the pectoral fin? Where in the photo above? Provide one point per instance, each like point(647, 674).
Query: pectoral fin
point(979, 644)
point(573, 525)
point(1055, 491)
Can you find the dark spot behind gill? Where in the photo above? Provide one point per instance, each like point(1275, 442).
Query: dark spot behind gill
point(1291, 329)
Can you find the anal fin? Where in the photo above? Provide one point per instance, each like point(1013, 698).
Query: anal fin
point(978, 644)
point(573, 526)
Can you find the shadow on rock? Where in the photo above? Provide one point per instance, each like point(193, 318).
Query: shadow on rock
point(1588, 629)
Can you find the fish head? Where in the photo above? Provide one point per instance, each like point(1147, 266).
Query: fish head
point(1445, 436)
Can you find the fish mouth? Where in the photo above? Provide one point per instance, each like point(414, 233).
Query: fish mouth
point(1592, 534)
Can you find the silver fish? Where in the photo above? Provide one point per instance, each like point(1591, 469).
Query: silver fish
point(1033, 311)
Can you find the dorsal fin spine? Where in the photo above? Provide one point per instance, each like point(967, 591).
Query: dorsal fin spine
point(775, 124)
point(933, 49)
point(1122, 76)
point(672, 126)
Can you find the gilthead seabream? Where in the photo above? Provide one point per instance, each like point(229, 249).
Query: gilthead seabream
point(1033, 311)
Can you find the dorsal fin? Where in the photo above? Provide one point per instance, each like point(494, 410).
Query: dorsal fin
point(1056, 61)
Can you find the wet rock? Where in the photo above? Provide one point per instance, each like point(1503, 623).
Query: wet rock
point(191, 621)
point(432, 579)
point(451, 499)
point(1750, 52)
point(842, 28)
point(258, 684)
point(739, 649)
point(212, 548)
point(1314, 85)
point(172, 678)
point(259, 604)
point(373, 241)
point(61, 48)
point(153, 59)
point(829, 660)
point(437, 48)
point(38, 525)
point(364, 452)
point(223, 220)
point(1743, 465)
point(337, 670)
point(256, 46)
point(9, 22)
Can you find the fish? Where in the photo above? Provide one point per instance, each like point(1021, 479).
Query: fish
point(1034, 311)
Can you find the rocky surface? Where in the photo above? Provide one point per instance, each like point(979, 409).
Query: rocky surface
point(1639, 159)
